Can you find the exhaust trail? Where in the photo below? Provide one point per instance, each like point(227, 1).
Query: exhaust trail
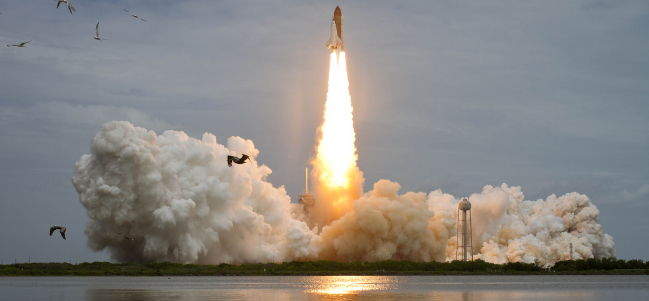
point(338, 181)
point(379, 224)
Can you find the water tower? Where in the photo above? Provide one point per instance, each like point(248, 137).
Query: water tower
point(464, 241)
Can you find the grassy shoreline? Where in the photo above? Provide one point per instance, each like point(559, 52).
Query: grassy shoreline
point(326, 268)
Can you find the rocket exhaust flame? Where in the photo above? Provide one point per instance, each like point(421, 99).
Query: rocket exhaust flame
point(335, 170)
point(336, 151)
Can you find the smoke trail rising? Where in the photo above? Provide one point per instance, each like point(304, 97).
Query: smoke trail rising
point(373, 226)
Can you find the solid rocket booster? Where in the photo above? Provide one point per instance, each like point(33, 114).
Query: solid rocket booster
point(337, 38)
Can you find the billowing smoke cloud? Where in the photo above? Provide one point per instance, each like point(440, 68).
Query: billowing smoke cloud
point(506, 228)
point(178, 199)
point(383, 225)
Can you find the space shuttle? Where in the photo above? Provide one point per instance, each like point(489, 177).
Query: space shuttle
point(336, 38)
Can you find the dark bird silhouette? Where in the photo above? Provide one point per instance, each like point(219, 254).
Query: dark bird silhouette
point(126, 236)
point(61, 229)
point(238, 160)
point(20, 45)
point(134, 15)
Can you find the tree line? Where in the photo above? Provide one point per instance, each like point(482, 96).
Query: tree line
point(322, 267)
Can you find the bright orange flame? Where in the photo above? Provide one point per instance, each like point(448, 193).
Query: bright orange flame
point(335, 163)
point(336, 151)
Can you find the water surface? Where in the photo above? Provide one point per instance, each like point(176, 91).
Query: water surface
point(375, 288)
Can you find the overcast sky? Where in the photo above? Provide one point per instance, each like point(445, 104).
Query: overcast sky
point(552, 96)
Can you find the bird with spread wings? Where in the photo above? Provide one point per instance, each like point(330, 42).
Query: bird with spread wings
point(61, 229)
point(96, 37)
point(69, 5)
point(134, 15)
point(20, 45)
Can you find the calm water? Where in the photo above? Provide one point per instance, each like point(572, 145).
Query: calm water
point(375, 288)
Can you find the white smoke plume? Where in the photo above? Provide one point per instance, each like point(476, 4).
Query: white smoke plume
point(383, 225)
point(176, 196)
point(506, 228)
point(179, 200)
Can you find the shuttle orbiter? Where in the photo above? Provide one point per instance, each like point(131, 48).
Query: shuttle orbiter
point(336, 38)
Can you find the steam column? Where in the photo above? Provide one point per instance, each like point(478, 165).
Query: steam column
point(464, 241)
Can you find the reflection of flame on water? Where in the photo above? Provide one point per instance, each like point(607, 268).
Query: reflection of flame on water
point(348, 288)
point(343, 285)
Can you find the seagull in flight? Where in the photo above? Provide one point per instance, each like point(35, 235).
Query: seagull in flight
point(133, 15)
point(126, 236)
point(68, 3)
point(61, 229)
point(20, 45)
point(96, 37)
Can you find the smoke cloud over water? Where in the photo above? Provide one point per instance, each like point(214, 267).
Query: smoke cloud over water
point(177, 197)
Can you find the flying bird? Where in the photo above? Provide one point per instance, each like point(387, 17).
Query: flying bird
point(20, 45)
point(126, 236)
point(96, 37)
point(68, 3)
point(134, 15)
point(61, 229)
point(238, 160)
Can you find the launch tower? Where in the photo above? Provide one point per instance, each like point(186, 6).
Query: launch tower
point(307, 200)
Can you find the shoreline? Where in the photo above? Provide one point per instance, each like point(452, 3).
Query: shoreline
point(310, 274)
point(326, 268)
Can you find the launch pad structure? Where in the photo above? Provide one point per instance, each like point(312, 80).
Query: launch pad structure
point(306, 200)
